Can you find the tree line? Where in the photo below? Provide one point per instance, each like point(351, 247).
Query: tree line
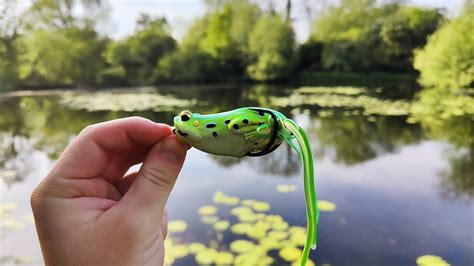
point(49, 44)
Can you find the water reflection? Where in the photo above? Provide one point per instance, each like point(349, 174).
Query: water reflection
point(347, 145)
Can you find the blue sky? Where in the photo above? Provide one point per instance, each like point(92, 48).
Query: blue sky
point(181, 13)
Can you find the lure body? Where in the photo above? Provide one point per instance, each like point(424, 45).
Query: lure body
point(252, 131)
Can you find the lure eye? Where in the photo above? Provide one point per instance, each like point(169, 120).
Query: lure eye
point(185, 116)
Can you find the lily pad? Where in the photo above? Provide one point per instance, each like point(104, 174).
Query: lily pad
point(278, 235)
point(326, 206)
point(242, 246)
point(207, 210)
point(224, 258)
point(178, 251)
point(241, 228)
point(431, 260)
point(221, 198)
point(7, 207)
point(206, 256)
point(209, 219)
point(286, 188)
point(177, 226)
point(196, 247)
point(290, 253)
point(221, 226)
point(11, 224)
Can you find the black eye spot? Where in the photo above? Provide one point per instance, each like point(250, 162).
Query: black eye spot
point(261, 113)
point(185, 118)
point(211, 125)
point(227, 121)
point(235, 126)
point(245, 121)
point(214, 134)
point(260, 123)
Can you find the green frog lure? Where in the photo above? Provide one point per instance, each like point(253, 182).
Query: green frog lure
point(253, 131)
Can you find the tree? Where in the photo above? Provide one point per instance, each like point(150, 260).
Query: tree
point(362, 36)
point(10, 27)
point(139, 54)
point(447, 60)
point(271, 47)
point(70, 56)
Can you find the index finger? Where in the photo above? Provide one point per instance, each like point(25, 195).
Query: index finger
point(88, 155)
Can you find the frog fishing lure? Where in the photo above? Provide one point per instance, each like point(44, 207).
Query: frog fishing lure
point(253, 131)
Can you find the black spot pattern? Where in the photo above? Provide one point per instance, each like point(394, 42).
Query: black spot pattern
point(259, 124)
point(211, 125)
point(245, 121)
point(261, 113)
point(214, 134)
point(235, 126)
point(227, 121)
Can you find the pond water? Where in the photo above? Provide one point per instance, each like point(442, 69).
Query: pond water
point(392, 189)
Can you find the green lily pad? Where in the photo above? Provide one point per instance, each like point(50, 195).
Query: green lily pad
point(290, 253)
point(221, 198)
point(7, 207)
point(286, 188)
point(177, 226)
point(242, 246)
point(207, 210)
point(196, 247)
point(241, 228)
point(431, 260)
point(326, 206)
point(221, 226)
point(209, 219)
point(224, 258)
point(206, 256)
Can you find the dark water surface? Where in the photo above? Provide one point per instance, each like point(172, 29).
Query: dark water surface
point(400, 190)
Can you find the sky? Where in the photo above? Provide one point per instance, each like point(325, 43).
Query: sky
point(181, 13)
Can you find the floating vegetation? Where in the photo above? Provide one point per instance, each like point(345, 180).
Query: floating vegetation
point(259, 206)
point(6, 207)
point(326, 206)
point(224, 258)
point(343, 97)
point(209, 219)
point(286, 188)
point(242, 246)
point(333, 90)
point(261, 234)
point(119, 101)
point(11, 224)
point(221, 226)
point(290, 253)
point(206, 256)
point(196, 247)
point(207, 210)
point(177, 226)
point(221, 198)
point(431, 260)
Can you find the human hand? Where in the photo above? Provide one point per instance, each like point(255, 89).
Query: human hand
point(88, 213)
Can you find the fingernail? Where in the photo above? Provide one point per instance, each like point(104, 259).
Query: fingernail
point(170, 150)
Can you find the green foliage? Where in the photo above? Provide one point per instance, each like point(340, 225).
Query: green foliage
point(271, 47)
point(139, 54)
point(215, 47)
point(362, 36)
point(446, 65)
point(447, 61)
point(63, 56)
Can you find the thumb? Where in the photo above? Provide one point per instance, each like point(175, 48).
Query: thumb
point(148, 194)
